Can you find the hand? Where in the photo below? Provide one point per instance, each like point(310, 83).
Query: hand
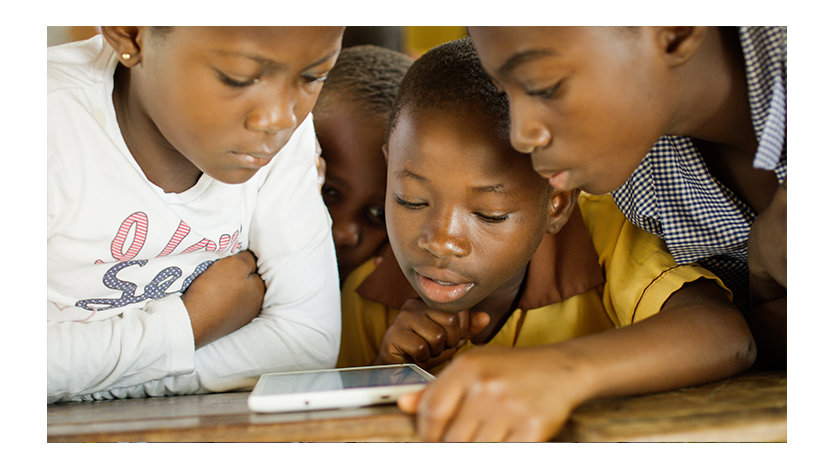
point(225, 297)
point(497, 394)
point(427, 337)
point(767, 249)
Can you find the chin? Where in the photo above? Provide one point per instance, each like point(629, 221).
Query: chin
point(451, 307)
point(235, 177)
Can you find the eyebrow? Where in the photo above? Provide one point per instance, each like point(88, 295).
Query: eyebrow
point(522, 57)
point(493, 188)
point(264, 60)
point(404, 173)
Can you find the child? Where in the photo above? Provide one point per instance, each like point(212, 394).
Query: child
point(575, 304)
point(687, 127)
point(350, 115)
point(170, 148)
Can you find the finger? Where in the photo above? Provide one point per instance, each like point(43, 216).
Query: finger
point(468, 419)
point(412, 348)
point(433, 335)
point(527, 431)
point(439, 359)
point(408, 403)
point(494, 428)
point(249, 260)
point(450, 322)
point(463, 321)
point(438, 406)
point(477, 322)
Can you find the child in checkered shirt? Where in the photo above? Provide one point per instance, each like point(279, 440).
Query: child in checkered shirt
point(686, 126)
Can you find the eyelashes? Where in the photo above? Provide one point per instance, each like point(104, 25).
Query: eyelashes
point(409, 205)
point(488, 218)
point(236, 83)
point(308, 79)
point(548, 92)
point(492, 219)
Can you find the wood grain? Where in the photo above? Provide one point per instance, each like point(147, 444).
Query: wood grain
point(750, 407)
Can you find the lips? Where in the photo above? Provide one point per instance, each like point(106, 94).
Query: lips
point(559, 181)
point(252, 160)
point(442, 286)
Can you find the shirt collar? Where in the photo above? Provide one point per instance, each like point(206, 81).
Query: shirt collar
point(564, 265)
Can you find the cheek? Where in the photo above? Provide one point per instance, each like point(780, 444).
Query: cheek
point(402, 231)
point(194, 120)
point(304, 104)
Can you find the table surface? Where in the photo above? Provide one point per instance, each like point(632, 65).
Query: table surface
point(748, 408)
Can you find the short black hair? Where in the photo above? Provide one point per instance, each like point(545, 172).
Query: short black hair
point(450, 77)
point(367, 75)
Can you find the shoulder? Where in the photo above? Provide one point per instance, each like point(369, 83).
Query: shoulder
point(600, 213)
point(78, 64)
point(357, 277)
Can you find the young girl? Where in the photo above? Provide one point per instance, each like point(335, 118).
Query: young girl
point(169, 149)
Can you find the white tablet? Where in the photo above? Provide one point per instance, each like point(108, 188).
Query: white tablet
point(336, 388)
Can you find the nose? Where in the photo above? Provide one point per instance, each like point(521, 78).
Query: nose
point(527, 132)
point(273, 110)
point(443, 237)
point(345, 233)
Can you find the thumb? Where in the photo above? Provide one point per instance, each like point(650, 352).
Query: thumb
point(477, 322)
point(408, 403)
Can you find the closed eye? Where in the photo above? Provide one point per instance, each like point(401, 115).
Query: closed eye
point(545, 92)
point(492, 219)
point(236, 83)
point(409, 205)
point(314, 79)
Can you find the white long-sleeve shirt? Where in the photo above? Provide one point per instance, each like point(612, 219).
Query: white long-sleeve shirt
point(120, 252)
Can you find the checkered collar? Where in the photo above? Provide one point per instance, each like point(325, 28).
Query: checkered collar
point(673, 194)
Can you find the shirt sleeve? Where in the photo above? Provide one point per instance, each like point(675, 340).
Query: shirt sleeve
point(123, 351)
point(640, 272)
point(299, 325)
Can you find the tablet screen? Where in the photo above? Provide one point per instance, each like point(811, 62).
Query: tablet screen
point(320, 381)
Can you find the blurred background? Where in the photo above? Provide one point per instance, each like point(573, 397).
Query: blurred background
point(411, 40)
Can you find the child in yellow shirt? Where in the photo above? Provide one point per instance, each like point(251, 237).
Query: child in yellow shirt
point(483, 251)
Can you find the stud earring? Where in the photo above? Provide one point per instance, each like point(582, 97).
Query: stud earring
point(125, 56)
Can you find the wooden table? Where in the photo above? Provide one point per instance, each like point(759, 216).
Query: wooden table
point(750, 407)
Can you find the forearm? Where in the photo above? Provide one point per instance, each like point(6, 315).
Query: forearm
point(697, 337)
point(298, 328)
point(125, 350)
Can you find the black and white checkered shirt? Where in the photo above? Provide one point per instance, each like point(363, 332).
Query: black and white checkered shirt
point(673, 194)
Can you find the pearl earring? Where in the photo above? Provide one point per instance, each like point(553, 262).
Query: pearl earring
point(125, 56)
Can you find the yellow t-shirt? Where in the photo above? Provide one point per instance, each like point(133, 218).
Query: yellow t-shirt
point(638, 275)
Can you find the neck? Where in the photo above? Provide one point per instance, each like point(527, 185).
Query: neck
point(162, 164)
point(714, 106)
point(499, 305)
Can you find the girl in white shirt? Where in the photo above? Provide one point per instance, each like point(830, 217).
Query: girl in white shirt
point(170, 148)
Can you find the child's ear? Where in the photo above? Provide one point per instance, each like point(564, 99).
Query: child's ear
point(680, 42)
point(126, 40)
point(385, 151)
point(560, 208)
